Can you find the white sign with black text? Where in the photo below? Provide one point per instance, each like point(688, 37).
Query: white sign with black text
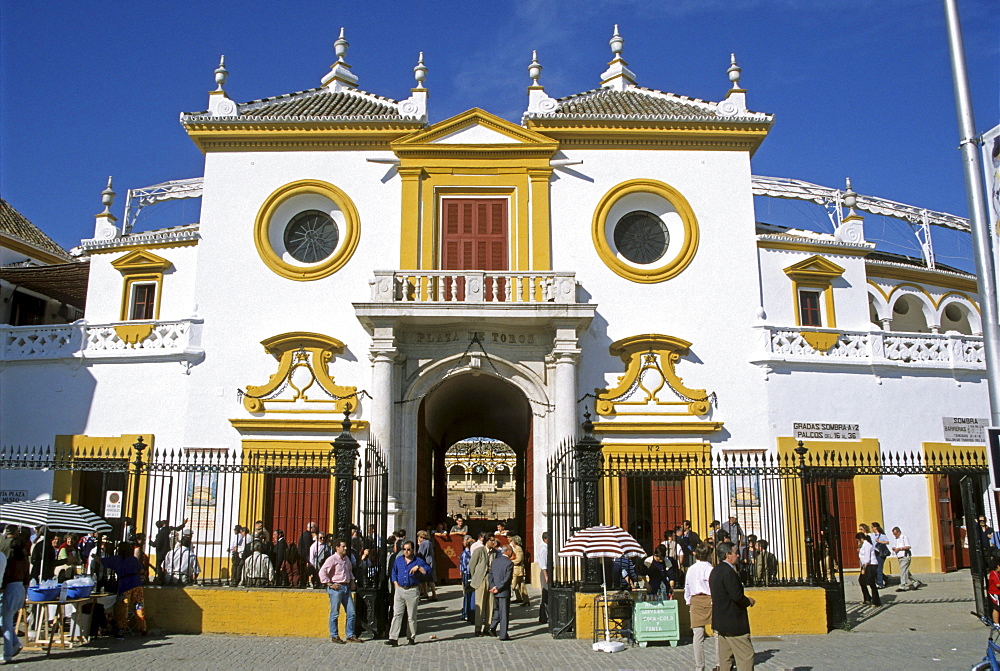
point(113, 505)
point(826, 431)
point(965, 429)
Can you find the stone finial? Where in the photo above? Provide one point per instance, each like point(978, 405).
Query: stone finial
point(340, 76)
point(416, 105)
point(617, 77)
point(850, 198)
point(539, 101)
point(535, 69)
point(221, 74)
point(617, 43)
point(340, 46)
point(420, 71)
point(851, 228)
point(734, 71)
point(736, 100)
point(108, 197)
point(104, 223)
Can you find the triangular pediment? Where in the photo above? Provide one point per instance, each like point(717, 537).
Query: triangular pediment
point(815, 266)
point(141, 260)
point(474, 127)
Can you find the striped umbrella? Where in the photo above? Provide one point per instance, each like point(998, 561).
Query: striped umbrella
point(54, 515)
point(604, 540)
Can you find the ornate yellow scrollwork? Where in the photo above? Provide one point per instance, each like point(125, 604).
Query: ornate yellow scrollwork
point(649, 366)
point(302, 382)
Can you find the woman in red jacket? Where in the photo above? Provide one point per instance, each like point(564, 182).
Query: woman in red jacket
point(993, 588)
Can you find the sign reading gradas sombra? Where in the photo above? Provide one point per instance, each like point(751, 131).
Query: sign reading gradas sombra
point(826, 431)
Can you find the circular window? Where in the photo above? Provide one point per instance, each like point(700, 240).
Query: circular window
point(645, 231)
point(311, 236)
point(641, 237)
point(306, 230)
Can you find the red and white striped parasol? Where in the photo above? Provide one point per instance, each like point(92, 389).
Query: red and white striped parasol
point(604, 540)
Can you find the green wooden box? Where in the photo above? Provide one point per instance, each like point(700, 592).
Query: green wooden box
point(656, 621)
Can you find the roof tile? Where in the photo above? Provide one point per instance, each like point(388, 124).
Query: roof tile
point(633, 103)
point(323, 104)
point(15, 224)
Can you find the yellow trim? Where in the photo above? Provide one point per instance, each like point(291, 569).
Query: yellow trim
point(26, 248)
point(815, 272)
point(650, 351)
point(820, 341)
point(328, 266)
point(274, 135)
point(814, 248)
point(296, 425)
point(637, 428)
point(937, 451)
point(645, 275)
point(143, 245)
point(133, 334)
point(301, 350)
point(937, 303)
point(67, 484)
point(140, 267)
point(932, 277)
point(656, 135)
point(519, 170)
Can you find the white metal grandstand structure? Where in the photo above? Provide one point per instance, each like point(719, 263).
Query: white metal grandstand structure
point(832, 200)
point(148, 195)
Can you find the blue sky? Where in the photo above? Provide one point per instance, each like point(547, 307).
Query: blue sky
point(859, 88)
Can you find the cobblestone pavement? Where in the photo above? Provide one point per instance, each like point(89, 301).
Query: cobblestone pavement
point(925, 629)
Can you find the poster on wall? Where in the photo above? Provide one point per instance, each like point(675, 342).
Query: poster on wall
point(202, 494)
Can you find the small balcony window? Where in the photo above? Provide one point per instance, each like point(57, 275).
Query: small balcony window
point(143, 300)
point(810, 313)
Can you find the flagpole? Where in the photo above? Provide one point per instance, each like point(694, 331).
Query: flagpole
point(981, 240)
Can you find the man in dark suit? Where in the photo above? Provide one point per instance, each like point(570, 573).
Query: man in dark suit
point(500, 576)
point(729, 611)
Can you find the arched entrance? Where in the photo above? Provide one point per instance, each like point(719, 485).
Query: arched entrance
point(467, 406)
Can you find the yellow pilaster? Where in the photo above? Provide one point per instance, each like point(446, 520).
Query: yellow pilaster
point(541, 250)
point(409, 246)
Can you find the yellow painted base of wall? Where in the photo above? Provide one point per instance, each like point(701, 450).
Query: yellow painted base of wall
point(234, 610)
point(778, 611)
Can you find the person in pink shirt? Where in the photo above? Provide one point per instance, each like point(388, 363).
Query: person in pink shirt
point(337, 574)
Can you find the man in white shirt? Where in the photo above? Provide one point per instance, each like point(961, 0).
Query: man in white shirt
point(901, 548)
point(542, 557)
point(181, 564)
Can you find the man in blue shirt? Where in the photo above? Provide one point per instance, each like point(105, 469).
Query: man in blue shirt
point(407, 572)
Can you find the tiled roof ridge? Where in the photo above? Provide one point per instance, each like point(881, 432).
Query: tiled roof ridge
point(265, 102)
point(16, 225)
point(827, 240)
point(627, 100)
point(180, 233)
point(954, 272)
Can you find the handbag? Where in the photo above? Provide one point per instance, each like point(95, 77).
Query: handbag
point(882, 550)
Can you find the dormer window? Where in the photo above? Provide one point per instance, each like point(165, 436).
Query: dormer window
point(142, 272)
point(812, 289)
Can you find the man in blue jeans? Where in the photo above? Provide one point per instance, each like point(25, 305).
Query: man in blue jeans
point(337, 574)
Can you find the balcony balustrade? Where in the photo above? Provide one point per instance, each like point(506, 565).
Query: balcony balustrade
point(473, 286)
point(134, 340)
point(886, 348)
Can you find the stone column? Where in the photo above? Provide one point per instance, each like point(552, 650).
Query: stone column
point(565, 356)
point(383, 355)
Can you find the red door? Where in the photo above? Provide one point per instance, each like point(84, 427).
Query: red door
point(474, 237)
point(296, 500)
